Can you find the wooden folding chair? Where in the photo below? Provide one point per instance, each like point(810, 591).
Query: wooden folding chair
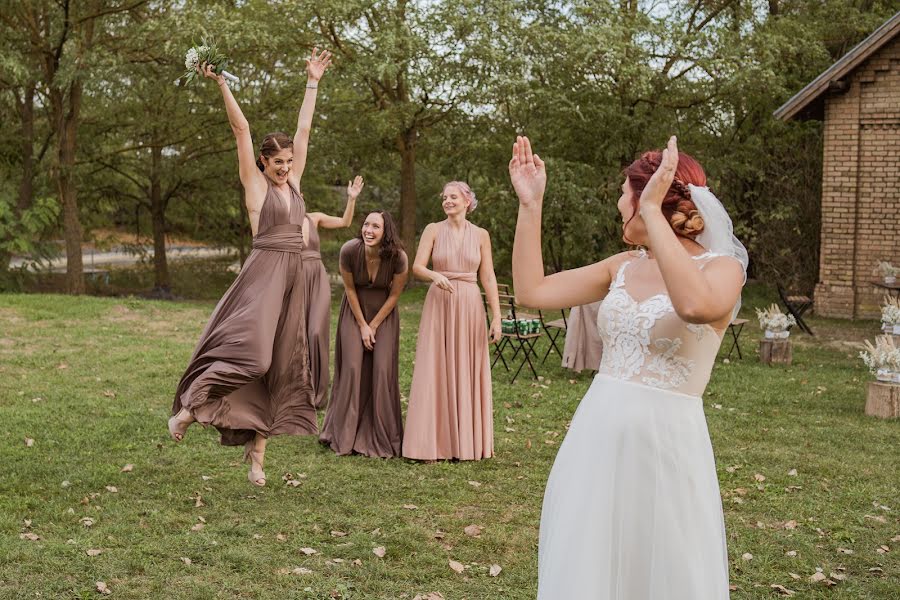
point(797, 305)
point(523, 343)
point(554, 329)
point(736, 327)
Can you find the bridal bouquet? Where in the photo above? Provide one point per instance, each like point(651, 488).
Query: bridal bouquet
point(883, 359)
point(774, 322)
point(890, 315)
point(207, 53)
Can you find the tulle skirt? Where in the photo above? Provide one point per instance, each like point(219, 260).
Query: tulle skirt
point(632, 509)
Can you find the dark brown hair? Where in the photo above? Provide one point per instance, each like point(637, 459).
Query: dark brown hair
point(391, 245)
point(677, 206)
point(271, 145)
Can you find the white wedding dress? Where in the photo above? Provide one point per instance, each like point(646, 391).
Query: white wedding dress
point(632, 509)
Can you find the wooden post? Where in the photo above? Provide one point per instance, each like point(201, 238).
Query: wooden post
point(883, 400)
point(776, 352)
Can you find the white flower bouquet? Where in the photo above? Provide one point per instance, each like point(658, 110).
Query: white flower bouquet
point(208, 53)
point(775, 323)
point(887, 271)
point(883, 359)
point(890, 315)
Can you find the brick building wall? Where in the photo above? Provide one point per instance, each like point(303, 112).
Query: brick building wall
point(860, 187)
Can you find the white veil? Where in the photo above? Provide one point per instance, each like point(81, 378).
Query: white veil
point(718, 232)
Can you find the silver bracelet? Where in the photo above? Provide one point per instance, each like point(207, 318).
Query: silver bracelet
point(312, 87)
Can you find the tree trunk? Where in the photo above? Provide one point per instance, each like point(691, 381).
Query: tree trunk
point(161, 284)
point(67, 128)
point(406, 144)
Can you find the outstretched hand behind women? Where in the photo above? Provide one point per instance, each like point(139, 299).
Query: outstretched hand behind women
point(317, 63)
point(355, 187)
point(659, 183)
point(528, 175)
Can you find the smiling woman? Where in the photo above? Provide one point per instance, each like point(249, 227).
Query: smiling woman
point(249, 376)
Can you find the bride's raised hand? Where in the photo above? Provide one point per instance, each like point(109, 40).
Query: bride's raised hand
point(208, 70)
point(527, 173)
point(660, 182)
point(317, 63)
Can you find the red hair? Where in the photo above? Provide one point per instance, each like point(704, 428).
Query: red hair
point(677, 206)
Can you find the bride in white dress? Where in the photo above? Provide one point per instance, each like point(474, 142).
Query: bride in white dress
point(632, 509)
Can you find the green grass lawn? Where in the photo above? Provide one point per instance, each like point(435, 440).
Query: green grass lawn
point(808, 482)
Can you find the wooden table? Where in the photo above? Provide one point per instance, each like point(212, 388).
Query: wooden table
point(892, 288)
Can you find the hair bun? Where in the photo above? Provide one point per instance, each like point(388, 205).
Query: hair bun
point(686, 220)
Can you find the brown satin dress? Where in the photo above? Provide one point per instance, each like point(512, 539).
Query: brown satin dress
point(364, 413)
point(318, 313)
point(250, 370)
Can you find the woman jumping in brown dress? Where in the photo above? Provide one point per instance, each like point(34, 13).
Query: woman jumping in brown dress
point(318, 289)
point(249, 376)
point(364, 413)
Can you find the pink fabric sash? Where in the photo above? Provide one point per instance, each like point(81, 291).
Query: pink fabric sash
point(462, 277)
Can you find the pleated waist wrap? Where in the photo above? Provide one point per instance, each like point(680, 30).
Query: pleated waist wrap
point(461, 277)
point(280, 238)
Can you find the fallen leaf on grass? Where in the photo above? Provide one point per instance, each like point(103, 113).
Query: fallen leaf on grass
point(357, 563)
point(476, 484)
point(782, 590)
point(94, 551)
point(795, 576)
point(197, 527)
point(792, 473)
point(86, 521)
point(495, 570)
point(429, 596)
point(817, 577)
point(26, 522)
point(473, 530)
point(112, 489)
point(186, 560)
point(879, 518)
point(791, 553)
point(457, 566)
point(896, 538)
point(845, 550)
point(128, 468)
point(308, 551)
point(336, 533)
point(380, 551)
point(301, 571)
point(747, 556)
point(439, 535)
point(281, 537)
point(410, 507)
point(31, 537)
point(103, 588)
point(792, 524)
point(882, 549)
point(29, 442)
point(759, 477)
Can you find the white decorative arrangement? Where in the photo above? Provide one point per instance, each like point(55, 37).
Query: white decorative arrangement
point(887, 271)
point(775, 323)
point(208, 53)
point(883, 359)
point(890, 316)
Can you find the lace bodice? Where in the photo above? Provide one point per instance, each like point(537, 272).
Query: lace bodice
point(647, 342)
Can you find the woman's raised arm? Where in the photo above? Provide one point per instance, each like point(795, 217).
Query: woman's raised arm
point(315, 68)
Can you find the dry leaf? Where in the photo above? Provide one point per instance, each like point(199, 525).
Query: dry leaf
point(882, 549)
point(335, 533)
point(301, 571)
point(294, 482)
point(29, 442)
point(109, 394)
point(86, 521)
point(112, 489)
point(791, 553)
point(281, 537)
point(439, 535)
point(473, 530)
point(759, 477)
point(792, 524)
point(337, 560)
point(817, 577)
point(456, 566)
point(429, 596)
point(380, 551)
point(878, 518)
point(838, 576)
point(197, 527)
point(747, 556)
point(795, 576)
point(66, 484)
point(792, 473)
point(128, 468)
point(186, 560)
point(845, 550)
point(102, 588)
point(94, 551)
point(410, 507)
point(896, 538)
point(27, 523)
point(31, 537)
point(495, 570)
point(782, 590)
point(476, 484)
point(357, 563)
point(308, 551)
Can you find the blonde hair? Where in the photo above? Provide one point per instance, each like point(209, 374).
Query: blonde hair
point(466, 191)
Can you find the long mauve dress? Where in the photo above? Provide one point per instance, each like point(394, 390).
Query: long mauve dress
point(364, 412)
point(450, 411)
point(318, 313)
point(250, 370)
